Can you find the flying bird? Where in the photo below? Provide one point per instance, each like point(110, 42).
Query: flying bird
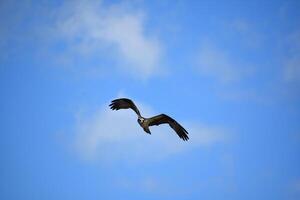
point(124, 103)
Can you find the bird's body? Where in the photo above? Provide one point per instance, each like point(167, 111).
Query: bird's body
point(124, 103)
point(144, 123)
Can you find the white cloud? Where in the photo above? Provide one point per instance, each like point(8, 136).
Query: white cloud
point(217, 64)
point(247, 33)
point(294, 186)
point(146, 184)
point(115, 136)
point(291, 65)
point(241, 26)
point(297, 186)
point(292, 69)
point(92, 29)
point(154, 184)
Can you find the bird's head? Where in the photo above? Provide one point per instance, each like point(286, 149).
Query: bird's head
point(140, 120)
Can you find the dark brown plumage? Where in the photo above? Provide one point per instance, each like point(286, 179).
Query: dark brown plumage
point(165, 119)
point(124, 103)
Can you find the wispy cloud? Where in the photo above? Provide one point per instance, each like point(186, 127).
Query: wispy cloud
point(166, 186)
point(292, 69)
point(246, 32)
point(291, 65)
point(114, 32)
point(148, 184)
point(297, 186)
point(216, 63)
point(116, 136)
point(156, 184)
point(294, 188)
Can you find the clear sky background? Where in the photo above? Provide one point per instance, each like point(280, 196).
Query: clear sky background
point(228, 71)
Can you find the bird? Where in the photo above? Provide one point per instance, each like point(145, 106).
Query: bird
point(125, 103)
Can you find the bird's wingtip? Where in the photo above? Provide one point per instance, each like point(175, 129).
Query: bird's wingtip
point(112, 106)
point(185, 138)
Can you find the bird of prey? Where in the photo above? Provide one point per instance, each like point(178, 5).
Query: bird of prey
point(124, 103)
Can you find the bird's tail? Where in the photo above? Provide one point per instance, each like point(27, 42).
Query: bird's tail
point(147, 130)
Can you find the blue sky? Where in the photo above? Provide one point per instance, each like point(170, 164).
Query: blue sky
point(228, 71)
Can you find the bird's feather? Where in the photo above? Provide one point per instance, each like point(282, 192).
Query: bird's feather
point(124, 103)
point(165, 119)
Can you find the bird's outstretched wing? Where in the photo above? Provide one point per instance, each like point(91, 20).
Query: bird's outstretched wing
point(163, 119)
point(124, 103)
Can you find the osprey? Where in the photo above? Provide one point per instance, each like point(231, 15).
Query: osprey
point(124, 103)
